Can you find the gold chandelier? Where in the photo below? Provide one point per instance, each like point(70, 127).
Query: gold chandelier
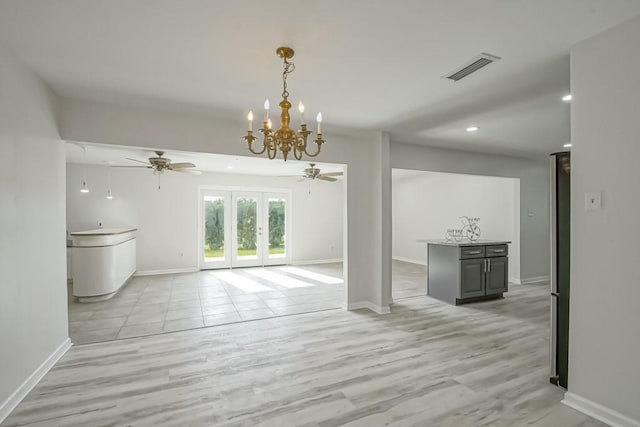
point(285, 139)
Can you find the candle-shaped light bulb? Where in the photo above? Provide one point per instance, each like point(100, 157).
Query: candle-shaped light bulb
point(301, 109)
point(268, 123)
point(250, 117)
point(266, 110)
point(319, 120)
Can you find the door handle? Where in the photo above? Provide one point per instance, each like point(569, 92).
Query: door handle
point(485, 265)
point(489, 264)
point(555, 294)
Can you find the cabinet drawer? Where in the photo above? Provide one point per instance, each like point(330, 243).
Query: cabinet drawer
point(467, 252)
point(496, 250)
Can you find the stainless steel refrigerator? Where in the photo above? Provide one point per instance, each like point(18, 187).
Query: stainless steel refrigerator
point(560, 266)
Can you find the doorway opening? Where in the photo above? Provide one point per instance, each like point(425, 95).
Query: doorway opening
point(275, 243)
point(427, 204)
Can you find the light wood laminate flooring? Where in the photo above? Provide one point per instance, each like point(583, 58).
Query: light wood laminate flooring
point(409, 280)
point(424, 364)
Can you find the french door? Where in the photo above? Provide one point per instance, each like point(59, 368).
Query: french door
point(243, 228)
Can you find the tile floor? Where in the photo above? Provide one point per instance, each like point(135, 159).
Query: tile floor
point(151, 305)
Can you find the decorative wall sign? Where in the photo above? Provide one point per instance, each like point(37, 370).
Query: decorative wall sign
point(470, 230)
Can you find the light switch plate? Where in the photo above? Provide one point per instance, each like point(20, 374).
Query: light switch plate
point(592, 201)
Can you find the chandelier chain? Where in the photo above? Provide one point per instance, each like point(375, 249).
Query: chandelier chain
point(288, 68)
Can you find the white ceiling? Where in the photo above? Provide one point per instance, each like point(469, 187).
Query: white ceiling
point(374, 64)
point(98, 154)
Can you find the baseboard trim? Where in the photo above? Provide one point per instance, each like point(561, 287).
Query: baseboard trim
point(369, 305)
point(515, 281)
point(531, 280)
point(410, 260)
point(316, 261)
point(16, 397)
point(598, 411)
point(168, 271)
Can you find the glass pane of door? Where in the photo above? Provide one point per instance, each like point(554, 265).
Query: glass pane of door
point(213, 228)
point(277, 239)
point(247, 228)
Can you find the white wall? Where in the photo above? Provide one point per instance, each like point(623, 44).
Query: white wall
point(33, 294)
point(534, 193)
point(426, 204)
point(168, 218)
point(604, 344)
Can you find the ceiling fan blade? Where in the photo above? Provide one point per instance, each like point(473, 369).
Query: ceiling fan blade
point(144, 167)
point(188, 171)
point(139, 161)
point(332, 174)
point(181, 165)
point(326, 178)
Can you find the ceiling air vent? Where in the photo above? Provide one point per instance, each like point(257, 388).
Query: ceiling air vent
point(472, 66)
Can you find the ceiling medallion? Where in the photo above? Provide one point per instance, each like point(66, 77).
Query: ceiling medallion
point(284, 139)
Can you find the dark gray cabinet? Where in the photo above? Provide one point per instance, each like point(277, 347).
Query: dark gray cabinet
point(458, 274)
point(497, 279)
point(472, 278)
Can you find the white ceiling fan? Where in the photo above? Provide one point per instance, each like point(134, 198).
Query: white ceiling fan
point(314, 173)
point(159, 164)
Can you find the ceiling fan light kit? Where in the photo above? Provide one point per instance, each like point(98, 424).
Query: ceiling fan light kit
point(284, 139)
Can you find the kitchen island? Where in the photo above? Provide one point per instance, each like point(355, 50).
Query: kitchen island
point(461, 272)
point(102, 261)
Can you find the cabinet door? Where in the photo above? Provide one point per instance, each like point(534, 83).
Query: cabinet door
point(472, 278)
point(497, 275)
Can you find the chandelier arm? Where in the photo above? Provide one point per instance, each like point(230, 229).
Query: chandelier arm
point(298, 153)
point(264, 147)
point(271, 153)
point(300, 145)
point(249, 138)
point(319, 143)
point(271, 146)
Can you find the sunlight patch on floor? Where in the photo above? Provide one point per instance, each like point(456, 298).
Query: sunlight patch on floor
point(279, 279)
point(311, 275)
point(242, 283)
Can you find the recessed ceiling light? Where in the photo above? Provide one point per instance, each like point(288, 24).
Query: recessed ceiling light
point(566, 98)
point(567, 145)
point(229, 167)
point(472, 128)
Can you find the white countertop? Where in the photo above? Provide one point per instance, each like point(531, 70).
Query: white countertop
point(103, 232)
point(463, 242)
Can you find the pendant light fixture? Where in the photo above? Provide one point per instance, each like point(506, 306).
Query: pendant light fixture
point(85, 187)
point(284, 139)
point(109, 195)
